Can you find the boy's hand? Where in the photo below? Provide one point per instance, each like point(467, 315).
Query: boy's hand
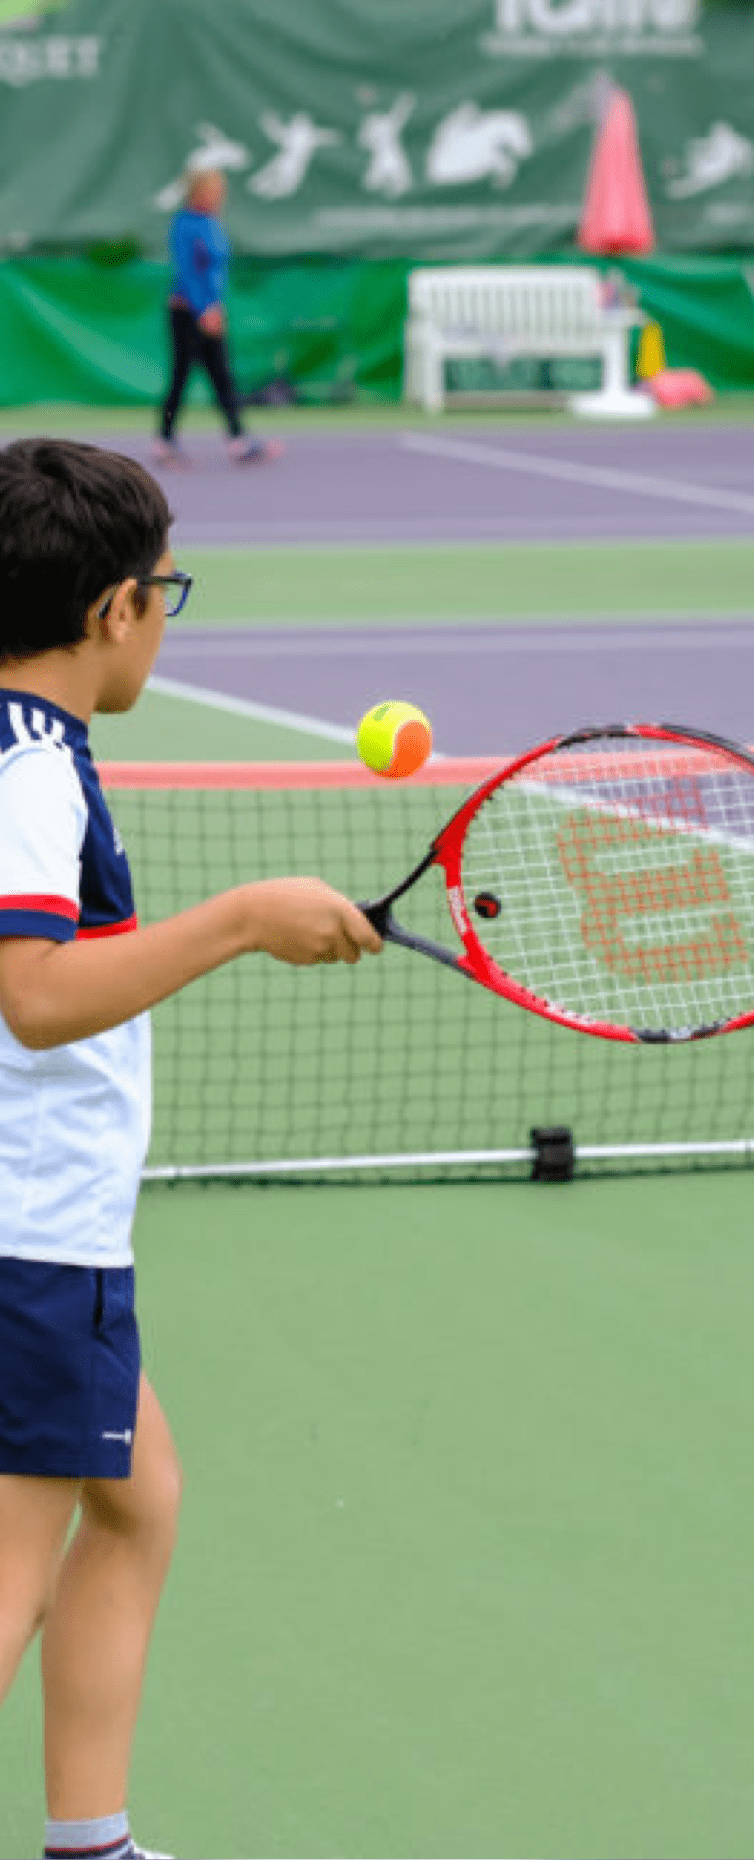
point(302, 920)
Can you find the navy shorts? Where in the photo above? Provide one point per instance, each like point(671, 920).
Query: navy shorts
point(70, 1362)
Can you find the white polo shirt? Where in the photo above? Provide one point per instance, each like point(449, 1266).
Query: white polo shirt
point(74, 1120)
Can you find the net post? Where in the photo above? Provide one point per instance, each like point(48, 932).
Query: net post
point(553, 1154)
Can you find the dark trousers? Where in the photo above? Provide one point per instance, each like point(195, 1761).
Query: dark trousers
point(190, 345)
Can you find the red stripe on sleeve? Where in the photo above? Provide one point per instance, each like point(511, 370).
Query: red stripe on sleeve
point(127, 923)
point(41, 901)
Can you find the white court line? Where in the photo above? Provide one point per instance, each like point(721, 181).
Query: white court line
point(256, 713)
point(569, 471)
point(260, 713)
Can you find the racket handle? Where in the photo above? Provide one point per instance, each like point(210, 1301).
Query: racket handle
point(382, 920)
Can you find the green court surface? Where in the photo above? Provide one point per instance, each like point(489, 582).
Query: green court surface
point(466, 583)
point(165, 729)
point(85, 419)
point(466, 1549)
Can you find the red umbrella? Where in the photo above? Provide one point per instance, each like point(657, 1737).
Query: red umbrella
point(616, 215)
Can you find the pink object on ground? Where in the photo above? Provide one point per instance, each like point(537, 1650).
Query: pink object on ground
point(616, 215)
point(680, 387)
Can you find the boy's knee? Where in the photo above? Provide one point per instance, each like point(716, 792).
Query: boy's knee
point(145, 1508)
point(162, 1515)
point(159, 1473)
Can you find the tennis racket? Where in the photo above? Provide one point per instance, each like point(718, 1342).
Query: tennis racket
point(606, 881)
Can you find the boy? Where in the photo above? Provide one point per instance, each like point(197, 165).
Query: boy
point(86, 578)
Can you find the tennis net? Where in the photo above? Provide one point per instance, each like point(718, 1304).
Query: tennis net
point(396, 1067)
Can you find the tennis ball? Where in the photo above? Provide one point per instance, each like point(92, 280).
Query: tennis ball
point(394, 739)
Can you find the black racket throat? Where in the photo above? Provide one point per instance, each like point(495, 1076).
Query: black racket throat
point(380, 915)
point(382, 920)
point(379, 910)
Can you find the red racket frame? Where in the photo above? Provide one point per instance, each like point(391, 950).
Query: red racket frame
point(447, 850)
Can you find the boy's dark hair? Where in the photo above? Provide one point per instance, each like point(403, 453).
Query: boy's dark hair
point(74, 520)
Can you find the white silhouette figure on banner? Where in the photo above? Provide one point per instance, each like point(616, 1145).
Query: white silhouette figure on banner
point(214, 151)
point(712, 159)
point(298, 141)
point(389, 170)
point(472, 144)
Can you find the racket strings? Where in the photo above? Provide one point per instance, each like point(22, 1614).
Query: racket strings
point(625, 880)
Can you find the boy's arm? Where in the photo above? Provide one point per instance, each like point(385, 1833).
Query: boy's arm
point(52, 993)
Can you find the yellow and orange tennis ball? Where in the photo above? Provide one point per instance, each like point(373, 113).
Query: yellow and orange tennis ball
point(394, 739)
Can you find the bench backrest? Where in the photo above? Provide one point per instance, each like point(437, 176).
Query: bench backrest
point(513, 300)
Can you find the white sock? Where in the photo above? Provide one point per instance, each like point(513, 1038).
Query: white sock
point(107, 1838)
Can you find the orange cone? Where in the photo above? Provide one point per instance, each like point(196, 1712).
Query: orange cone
point(616, 215)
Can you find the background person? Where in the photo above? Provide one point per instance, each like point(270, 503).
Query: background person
point(200, 251)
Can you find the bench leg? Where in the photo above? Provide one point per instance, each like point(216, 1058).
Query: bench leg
point(423, 382)
point(433, 378)
point(410, 366)
point(615, 357)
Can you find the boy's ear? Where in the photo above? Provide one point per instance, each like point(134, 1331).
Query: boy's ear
point(117, 620)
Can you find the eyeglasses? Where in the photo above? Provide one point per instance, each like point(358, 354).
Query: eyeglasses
point(179, 583)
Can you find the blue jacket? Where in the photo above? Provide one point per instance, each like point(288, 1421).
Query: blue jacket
point(200, 250)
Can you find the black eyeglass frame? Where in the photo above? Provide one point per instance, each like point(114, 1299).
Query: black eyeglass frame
point(178, 579)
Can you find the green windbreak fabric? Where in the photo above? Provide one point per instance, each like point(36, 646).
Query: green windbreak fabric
point(75, 330)
point(421, 129)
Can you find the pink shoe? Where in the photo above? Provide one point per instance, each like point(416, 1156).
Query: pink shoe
point(255, 451)
point(167, 452)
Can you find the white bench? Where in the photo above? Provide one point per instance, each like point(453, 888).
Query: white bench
point(504, 311)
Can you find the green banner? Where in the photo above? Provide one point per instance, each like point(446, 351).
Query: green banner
point(439, 129)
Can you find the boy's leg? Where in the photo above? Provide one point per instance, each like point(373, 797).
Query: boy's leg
point(34, 1518)
point(96, 1635)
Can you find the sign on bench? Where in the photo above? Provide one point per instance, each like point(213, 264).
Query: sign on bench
point(506, 311)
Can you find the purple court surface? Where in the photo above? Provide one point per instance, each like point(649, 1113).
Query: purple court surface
point(493, 688)
point(489, 691)
point(472, 484)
